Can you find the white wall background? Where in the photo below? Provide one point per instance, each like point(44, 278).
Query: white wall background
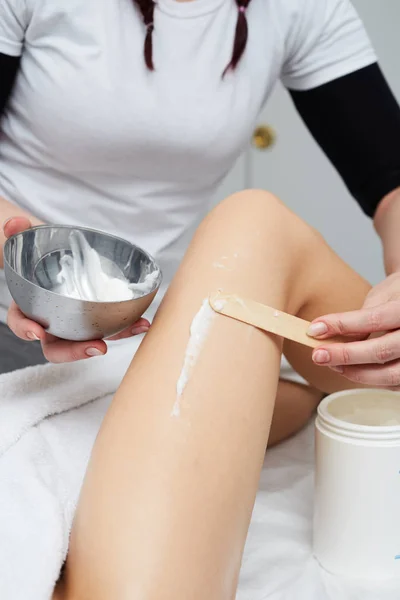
point(297, 171)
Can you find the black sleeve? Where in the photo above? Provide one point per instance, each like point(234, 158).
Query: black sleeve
point(8, 71)
point(356, 121)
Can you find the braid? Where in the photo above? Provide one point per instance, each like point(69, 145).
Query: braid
point(241, 35)
point(147, 7)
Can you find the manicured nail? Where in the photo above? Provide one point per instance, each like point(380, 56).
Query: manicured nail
point(94, 352)
point(338, 369)
point(139, 330)
point(321, 357)
point(317, 329)
point(32, 336)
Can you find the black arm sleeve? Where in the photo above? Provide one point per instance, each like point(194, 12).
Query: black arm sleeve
point(8, 71)
point(356, 121)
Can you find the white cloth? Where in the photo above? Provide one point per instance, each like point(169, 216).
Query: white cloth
point(92, 138)
point(42, 464)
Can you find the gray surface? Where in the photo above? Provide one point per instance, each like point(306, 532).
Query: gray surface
point(17, 354)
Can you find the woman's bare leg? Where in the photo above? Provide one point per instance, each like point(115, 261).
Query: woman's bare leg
point(167, 500)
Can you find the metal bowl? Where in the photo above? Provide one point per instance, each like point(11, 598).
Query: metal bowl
point(32, 264)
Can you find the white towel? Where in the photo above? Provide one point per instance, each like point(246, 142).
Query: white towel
point(43, 460)
point(42, 464)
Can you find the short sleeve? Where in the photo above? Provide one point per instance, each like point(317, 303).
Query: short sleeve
point(326, 39)
point(13, 23)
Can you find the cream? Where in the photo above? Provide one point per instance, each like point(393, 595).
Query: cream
point(198, 334)
point(82, 276)
point(219, 304)
point(220, 264)
point(376, 416)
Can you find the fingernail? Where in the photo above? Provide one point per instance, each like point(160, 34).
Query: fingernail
point(321, 357)
point(94, 352)
point(317, 329)
point(337, 369)
point(7, 220)
point(139, 330)
point(32, 336)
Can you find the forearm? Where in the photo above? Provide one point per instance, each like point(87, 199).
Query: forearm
point(9, 66)
point(338, 110)
point(387, 225)
point(8, 210)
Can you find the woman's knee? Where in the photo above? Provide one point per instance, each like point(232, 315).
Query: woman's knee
point(260, 212)
point(257, 206)
point(262, 220)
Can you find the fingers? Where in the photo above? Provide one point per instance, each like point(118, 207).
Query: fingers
point(23, 327)
point(379, 358)
point(141, 326)
point(387, 376)
point(54, 349)
point(15, 225)
point(63, 351)
point(366, 320)
point(59, 351)
point(380, 350)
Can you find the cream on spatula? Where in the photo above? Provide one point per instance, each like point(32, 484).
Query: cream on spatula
point(264, 317)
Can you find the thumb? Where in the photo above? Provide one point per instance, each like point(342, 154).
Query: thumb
point(384, 317)
point(16, 225)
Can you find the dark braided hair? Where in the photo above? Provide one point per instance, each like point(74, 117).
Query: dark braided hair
point(147, 7)
point(241, 35)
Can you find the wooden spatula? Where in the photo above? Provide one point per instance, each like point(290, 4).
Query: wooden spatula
point(264, 317)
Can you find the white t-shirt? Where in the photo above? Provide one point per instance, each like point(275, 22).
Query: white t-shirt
point(92, 138)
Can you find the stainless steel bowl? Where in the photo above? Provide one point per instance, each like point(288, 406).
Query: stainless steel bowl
point(32, 264)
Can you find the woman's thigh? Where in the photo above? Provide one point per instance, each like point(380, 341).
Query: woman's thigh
point(17, 354)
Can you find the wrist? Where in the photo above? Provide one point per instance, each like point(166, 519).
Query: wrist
point(387, 225)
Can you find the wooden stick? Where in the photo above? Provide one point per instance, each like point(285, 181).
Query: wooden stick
point(264, 317)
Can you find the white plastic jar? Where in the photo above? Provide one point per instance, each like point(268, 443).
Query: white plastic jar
point(357, 484)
